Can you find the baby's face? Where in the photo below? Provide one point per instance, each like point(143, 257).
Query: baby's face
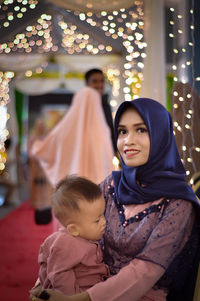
point(91, 220)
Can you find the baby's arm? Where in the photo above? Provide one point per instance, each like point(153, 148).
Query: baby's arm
point(60, 271)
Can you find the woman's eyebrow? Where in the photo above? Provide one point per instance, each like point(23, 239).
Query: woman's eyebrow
point(134, 124)
point(138, 124)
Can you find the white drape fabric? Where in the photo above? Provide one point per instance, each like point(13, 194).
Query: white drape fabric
point(82, 63)
point(76, 63)
point(21, 62)
point(154, 84)
point(73, 63)
point(93, 5)
point(37, 86)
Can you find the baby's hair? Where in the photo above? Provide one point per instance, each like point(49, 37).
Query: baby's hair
point(69, 192)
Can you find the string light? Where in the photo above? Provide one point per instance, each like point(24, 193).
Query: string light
point(5, 78)
point(180, 69)
point(127, 26)
point(132, 39)
point(113, 76)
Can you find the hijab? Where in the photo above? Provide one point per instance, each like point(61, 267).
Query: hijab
point(163, 175)
point(80, 143)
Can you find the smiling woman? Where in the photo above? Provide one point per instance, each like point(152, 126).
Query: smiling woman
point(152, 237)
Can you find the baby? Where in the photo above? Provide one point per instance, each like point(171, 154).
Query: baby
point(71, 259)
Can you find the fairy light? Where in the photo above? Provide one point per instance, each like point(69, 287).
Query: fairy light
point(113, 76)
point(132, 39)
point(5, 78)
point(184, 126)
point(36, 36)
point(126, 26)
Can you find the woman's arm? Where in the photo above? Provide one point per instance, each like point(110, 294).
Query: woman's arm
point(130, 284)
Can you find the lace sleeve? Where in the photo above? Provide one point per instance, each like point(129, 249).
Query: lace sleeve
point(170, 234)
point(105, 186)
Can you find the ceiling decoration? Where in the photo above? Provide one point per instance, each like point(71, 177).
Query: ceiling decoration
point(93, 5)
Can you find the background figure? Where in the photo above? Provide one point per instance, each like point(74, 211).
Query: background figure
point(7, 186)
point(80, 143)
point(40, 188)
point(95, 79)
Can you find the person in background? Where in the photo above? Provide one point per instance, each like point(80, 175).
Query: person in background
point(71, 259)
point(79, 144)
point(39, 186)
point(95, 79)
point(152, 241)
point(7, 186)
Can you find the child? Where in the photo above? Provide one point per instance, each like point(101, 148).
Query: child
point(71, 259)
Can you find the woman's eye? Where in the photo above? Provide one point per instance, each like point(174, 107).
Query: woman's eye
point(121, 132)
point(142, 130)
point(97, 220)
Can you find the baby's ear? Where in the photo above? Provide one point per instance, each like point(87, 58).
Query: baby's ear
point(73, 229)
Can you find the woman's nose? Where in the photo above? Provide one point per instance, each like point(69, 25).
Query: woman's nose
point(130, 139)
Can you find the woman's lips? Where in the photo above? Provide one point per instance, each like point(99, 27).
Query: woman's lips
point(131, 152)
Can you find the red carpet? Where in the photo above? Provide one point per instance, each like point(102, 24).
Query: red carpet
point(20, 239)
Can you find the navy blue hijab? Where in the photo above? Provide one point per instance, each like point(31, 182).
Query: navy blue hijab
point(164, 174)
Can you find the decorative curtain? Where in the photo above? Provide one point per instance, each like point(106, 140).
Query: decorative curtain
point(23, 62)
point(93, 5)
point(37, 86)
point(82, 63)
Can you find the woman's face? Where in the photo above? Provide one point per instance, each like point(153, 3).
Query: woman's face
point(133, 140)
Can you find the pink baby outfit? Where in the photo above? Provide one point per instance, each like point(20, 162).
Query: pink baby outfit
point(70, 264)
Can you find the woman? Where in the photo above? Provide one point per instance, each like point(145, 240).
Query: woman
point(80, 143)
point(151, 242)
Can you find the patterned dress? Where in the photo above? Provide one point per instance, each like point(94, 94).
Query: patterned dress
point(162, 233)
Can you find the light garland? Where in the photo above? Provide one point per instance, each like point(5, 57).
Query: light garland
point(4, 116)
point(113, 76)
point(127, 25)
point(124, 25)
point(184, 97)
point(37, 36)
point(19, 10)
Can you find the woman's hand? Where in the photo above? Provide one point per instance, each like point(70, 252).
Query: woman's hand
point(56, 296)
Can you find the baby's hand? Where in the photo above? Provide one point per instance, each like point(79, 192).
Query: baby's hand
point(37, 293)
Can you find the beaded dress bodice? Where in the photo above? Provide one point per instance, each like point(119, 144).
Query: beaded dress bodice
point(157, 234)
